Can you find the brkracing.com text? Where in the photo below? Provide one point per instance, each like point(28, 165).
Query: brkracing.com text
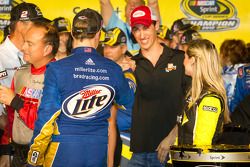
point(90, 77)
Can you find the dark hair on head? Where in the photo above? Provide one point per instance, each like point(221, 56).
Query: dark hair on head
point(248, 53)
point(51, 37)
point(12, 26)
point(86, 24)
point(234, 50)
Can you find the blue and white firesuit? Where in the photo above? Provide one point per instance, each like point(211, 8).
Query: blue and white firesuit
point(229, 76)
point(242, 87)
point(72, 125)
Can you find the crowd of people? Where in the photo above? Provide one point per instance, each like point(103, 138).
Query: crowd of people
point(68, 90)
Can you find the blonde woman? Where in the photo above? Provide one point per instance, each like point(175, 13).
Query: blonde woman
point(206, 108)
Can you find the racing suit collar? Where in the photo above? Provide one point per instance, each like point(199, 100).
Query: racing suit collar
point(41, 70)
point(84, 49)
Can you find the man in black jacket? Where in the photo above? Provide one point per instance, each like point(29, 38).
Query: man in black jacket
point(161, 85)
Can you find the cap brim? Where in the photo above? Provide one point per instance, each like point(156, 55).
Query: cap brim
point(42, 19)
point(190, 26)
point(110, 42)
point(63, 31)
point(146, 23)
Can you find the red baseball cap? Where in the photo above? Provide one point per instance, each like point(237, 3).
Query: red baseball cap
point(142, 15)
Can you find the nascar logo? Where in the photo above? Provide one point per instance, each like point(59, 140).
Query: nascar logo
point(86, 103)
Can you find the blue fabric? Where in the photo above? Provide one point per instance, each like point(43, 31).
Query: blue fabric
point(242, 87)
point(80, 154)
point(229, 76)
point(124, 116)
point(145, 160)
point(114, 21)
point(83, 87)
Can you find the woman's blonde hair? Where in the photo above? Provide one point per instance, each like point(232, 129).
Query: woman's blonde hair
point(207, 72)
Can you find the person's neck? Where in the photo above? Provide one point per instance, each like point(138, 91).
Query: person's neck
point(153, 53)
point(85, 43)
point(42, 62)
point(60, 55)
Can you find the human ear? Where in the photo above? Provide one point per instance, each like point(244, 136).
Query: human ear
point(47, 50)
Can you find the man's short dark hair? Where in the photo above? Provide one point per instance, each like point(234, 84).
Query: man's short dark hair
point(86, 24)
point(51, 37)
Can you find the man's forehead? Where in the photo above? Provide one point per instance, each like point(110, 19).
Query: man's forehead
point(35, 34)
point(140, 26)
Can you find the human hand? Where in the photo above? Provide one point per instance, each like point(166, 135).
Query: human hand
point(163, 149)
point(5, 161)
point(127, 63)
point(6, 95)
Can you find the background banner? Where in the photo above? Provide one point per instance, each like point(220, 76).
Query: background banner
point(219, 19)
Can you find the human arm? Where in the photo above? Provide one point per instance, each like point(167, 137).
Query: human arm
point(106, 11)
point(127, 64)
point(112, 136)
point(6, 95)
point(25, 107)
point(164, 147)
point(208, 116)
point(155, 6)
point(45, 125)
point(125, 89)
point(239, 91)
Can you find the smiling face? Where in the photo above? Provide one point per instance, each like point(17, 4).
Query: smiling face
point(145, 36)
point(34, 46)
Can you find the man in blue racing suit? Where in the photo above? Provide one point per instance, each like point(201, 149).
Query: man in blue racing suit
point(72, 125)
point(242, 86)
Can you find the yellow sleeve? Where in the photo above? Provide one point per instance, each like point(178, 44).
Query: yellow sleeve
point(206, 120)
point(41, 141)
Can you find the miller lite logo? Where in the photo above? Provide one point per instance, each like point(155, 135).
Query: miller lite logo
point(86, 103)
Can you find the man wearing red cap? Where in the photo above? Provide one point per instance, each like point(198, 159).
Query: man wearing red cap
point(161, 84)
point(111, 19)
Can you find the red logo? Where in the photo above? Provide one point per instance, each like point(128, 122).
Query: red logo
point(88, 50)
point(88, 93)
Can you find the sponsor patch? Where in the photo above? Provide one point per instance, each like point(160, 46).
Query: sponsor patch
point(88, 102)
point(179, 119)
point(3, 74)
point(87, 50)
point(210, 108)
point(89, 62)
point(139, 13)
point(31, 93)
point(34, 156)
point(170, 67)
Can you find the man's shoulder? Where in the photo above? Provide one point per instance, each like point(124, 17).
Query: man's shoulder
point(3, 49)
point(174, 53)
point(24, 69)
